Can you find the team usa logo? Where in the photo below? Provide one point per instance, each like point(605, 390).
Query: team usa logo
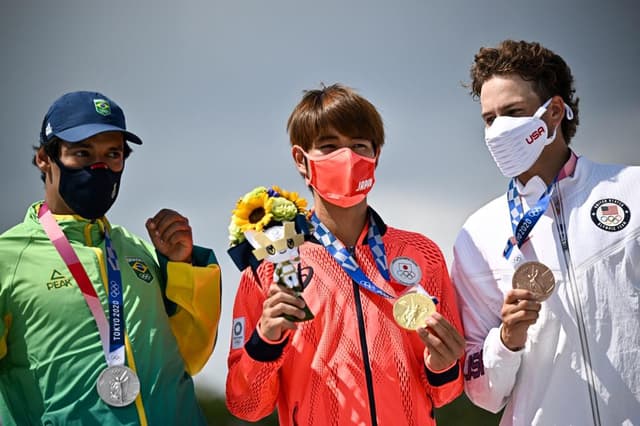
point(405, 271)
point(610, 214)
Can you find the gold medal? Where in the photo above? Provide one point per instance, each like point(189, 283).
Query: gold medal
point(118, 385)
point(412, 310)
point(535, 277)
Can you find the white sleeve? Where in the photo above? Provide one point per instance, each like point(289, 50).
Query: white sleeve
point(490, 367)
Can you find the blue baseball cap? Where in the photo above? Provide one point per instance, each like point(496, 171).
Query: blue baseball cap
point(77, 116)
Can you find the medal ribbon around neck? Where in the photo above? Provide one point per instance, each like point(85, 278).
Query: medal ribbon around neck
point(523, 223)
point(340, 253)
point(111, 332)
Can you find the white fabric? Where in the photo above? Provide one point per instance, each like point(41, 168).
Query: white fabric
point(515, 143)
point(544, 384)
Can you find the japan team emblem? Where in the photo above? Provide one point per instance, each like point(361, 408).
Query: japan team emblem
point(405, 271)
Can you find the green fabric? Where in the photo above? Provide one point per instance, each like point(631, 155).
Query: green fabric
point(54, 351)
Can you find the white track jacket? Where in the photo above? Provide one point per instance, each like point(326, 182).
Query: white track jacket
point(581, 362)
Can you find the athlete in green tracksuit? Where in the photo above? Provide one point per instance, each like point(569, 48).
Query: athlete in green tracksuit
point(51, 353)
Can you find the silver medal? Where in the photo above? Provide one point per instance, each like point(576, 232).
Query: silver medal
point(118, 385)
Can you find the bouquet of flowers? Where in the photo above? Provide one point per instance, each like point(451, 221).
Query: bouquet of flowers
point(264, 225)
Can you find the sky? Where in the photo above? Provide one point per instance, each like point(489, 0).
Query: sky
point(208, 85)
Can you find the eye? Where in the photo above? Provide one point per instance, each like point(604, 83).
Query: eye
point(271, 249)
point(115, 154)
point(290, 243)
point(81, 153)
point(326, 148)
point(488, 120)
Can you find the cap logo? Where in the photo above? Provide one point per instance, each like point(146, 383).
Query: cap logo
point(48, 130)
point(102, 107)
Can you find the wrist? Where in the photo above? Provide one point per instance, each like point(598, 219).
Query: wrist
point(512, 348)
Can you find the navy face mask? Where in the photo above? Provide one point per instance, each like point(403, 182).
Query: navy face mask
point(89, 191)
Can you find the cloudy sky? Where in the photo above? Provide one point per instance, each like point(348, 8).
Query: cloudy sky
point(208, 85)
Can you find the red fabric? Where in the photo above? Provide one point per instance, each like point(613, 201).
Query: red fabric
point(320, 379)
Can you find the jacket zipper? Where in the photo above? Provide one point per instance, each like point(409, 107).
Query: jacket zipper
point(558, 213)
point(364, 348)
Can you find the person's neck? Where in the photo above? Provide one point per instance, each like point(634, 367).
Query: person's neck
point(57, 205)
point(345, 224)
point(551, 161)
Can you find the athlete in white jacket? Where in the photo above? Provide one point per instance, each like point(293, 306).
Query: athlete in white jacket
point(574, 357)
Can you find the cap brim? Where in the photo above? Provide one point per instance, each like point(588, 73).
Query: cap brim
point(77, 134)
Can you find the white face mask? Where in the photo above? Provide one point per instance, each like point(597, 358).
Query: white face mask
point(515, 143)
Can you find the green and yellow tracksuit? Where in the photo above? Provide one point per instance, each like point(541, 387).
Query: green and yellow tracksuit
point(50, 349)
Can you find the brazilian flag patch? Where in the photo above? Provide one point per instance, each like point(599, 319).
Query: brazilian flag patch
point(102, 107)
point(140, 268)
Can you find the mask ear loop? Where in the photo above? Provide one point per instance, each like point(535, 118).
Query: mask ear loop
point(568, 112)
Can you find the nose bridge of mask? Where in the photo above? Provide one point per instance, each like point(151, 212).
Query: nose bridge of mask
point(320, 167)
point(313, 160)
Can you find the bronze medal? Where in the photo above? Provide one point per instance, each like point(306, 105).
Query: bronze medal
point(118, 385)
point(535, 277)
point(412, 310)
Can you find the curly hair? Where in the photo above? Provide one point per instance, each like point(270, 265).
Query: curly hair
point(334, 106)
point(548, 72)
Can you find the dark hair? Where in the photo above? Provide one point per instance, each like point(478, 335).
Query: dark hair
point(52, 149)
point(548, 72)
point(334, 106)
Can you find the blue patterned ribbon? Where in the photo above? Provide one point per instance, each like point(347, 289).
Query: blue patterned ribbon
point(347, 261)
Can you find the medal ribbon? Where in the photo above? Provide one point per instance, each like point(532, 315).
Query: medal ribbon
point(111, 332)
point(340, 253)
point(522, 223)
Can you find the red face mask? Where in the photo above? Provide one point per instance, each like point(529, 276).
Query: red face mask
point(341, 177)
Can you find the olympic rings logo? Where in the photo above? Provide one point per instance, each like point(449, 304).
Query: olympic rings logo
point(612, 219)
point(405, 273)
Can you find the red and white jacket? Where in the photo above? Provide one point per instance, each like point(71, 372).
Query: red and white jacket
point(352, 361)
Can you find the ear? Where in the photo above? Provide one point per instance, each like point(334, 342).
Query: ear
point(556, 111)
point(301, 161)
point(42, 161)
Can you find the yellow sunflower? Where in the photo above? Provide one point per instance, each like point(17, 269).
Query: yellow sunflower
point(253, 212)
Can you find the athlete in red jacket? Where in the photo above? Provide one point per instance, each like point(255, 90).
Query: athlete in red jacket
point(352, 363)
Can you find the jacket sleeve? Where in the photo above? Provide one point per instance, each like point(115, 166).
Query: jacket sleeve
point(253, 379)
point(195, 289)
point(445, 386)
point(5, 323)
point(491, 368)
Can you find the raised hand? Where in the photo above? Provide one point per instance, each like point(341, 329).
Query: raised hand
point(520, 310)
point(280, 301)
point(443, 343)
point(170, 233)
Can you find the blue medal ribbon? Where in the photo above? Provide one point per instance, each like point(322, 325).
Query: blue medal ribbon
point(522, 223)
point(348, 263)
point(116, 305)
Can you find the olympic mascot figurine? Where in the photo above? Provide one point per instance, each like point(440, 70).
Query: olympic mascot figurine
point(263, 227)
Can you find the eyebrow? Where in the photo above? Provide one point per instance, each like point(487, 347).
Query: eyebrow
point(77, 145)
point(323, 138)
